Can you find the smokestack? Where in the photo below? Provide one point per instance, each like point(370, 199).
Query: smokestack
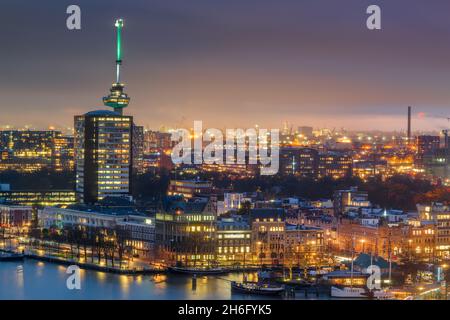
point(446, 140)
point(409, 126)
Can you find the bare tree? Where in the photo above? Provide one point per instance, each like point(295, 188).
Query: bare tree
point(123, 235)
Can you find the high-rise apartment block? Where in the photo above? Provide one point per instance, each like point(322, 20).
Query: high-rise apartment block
point(103, 155)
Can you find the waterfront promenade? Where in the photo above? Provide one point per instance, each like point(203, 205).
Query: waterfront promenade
point(42, 253)
point(130, 266)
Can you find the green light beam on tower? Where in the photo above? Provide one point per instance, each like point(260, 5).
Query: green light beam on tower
point(119, 26)
point(117, 98)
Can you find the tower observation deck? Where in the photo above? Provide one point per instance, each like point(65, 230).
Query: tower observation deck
point(117, 98)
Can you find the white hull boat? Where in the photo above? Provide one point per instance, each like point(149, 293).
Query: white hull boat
point(348, 292)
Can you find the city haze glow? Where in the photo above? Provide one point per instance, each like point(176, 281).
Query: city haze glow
point(231, 64)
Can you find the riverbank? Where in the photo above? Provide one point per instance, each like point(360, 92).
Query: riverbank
point(37, 280)
point(85, 265)
point(110, 269)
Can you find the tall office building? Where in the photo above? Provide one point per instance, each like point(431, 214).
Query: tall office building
point(138, 149)
point(103, 144)
point(103, 155)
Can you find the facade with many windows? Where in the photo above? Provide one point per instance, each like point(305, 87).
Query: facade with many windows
point(38, 197)
point(103, 155)
point(301, 162)
point(439, 214)
point(186, 232)
point(233, 240)
point(34, 150)
point(268, 236)
point(15, 216)
point(138, 229)
point(335, 165)
point(303, 245)
point(189, 188)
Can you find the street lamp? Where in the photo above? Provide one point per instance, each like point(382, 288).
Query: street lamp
point(259, 244)
point(444, 268)
point(363, 241)
point(409, 248)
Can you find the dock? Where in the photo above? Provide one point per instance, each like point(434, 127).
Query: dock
point(8, 255)
point(11, 257)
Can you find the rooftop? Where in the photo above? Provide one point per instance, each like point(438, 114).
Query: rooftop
point(102, 113)
point(268, 213)
point(173, 204)
point(115, 206)
point(291, 227)
point(365, 260)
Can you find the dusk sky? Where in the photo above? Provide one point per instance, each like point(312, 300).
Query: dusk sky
point(230, 63)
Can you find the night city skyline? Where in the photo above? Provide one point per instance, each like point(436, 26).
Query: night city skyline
point(232, 158)
point(231, 65)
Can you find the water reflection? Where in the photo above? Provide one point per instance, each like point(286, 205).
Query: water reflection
point(48, 281)
point(101, 276)
point(159, 278)
point(20, 276)
point(124, 285)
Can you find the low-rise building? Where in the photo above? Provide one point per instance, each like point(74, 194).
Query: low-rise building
point(439, 214)
point(38, 197)
point(303, 245)
point(421, 240)
point(234, 240)
point(138, 227)
point(189, 188)
point(268, 231)
point(186, 232)
point(382, 239)
point(15, 216)
point(350, 199)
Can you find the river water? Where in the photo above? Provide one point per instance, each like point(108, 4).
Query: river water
point(43, 280)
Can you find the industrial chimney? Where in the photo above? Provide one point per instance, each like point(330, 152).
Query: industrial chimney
point(408, 141)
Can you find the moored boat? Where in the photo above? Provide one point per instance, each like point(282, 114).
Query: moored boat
point(11, 257)
point(296, 283)
point(360, 293)
point(269, 274)
point(198, 271)
point(348, 292)
point(382, 295)
point(257, 288)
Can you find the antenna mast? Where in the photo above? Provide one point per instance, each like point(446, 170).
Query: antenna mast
point(117, 99)
point(119, 26)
